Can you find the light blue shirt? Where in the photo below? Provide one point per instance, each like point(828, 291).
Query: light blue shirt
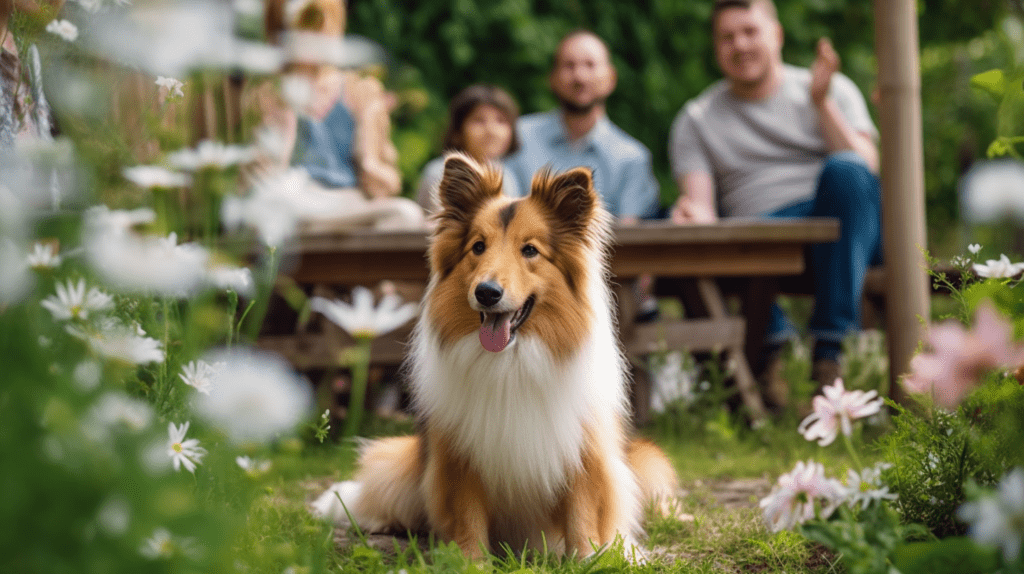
point(325, 148)
point(623, 175)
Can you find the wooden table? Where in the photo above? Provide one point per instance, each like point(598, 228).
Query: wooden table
point(738, 248)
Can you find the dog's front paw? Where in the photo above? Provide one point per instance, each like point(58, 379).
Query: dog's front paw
point(332, 504)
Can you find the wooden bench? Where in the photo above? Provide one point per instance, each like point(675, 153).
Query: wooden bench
point(697, 255)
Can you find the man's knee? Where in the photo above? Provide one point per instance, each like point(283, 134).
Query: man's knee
point(846, 179)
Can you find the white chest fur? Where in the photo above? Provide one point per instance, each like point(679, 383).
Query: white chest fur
point(521, 417)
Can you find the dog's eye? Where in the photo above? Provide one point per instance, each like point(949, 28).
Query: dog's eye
point(529, 251)
point(479, 247)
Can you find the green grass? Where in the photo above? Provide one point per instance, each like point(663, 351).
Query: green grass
point(280, 533)
point(712, 452)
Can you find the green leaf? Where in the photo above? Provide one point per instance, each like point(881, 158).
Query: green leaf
point(993, 82)
point(954, 555)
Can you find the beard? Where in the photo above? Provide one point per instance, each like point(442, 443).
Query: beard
point(579, 109)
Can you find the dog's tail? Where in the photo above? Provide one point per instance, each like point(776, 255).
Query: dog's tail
point(659, 485)
point(385, 493)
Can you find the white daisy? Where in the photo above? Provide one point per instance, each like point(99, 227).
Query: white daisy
point(994, 190)
point(44, 256)
point(100, 220)
point(257, 396)
point(162, 545)
point(974, 248)
point(151, 37)
point(866, 486)
point(87, 375)
point(112, 413)
point(92, 6)
point(146, 264)
point(801, 495)
point(74, 302)
point(673, 379)
point(183, 452)
point(361, 318)
point(15, 279)
point(209, 153)
point(116, 341)
point(275, 205)
point(113, 409)
point(171, 86)
point(159, 545)
point(114, 516)
point(835, 410)
point(64, 29)
point(998, 269)
point(252, 466)
point(227, 277)
point(997, 519)
point(148, 176)
point(201, 375)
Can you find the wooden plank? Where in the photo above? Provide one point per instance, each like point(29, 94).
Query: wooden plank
point(712, 260)
point(360, 268)
point(320, 351)
point(692, 334)
point(731, 248)
point(732, 230)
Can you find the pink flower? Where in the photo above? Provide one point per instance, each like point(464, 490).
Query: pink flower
point(836, 409)
point(959, 358)
point(802, 495)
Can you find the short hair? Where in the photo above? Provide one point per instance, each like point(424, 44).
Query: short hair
point(468, 100)
point(573, 34)
point(722, 5)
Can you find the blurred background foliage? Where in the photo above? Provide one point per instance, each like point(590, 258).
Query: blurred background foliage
point(662, 50)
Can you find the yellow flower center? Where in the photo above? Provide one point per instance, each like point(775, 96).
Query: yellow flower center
point(76, 310)
point(176, 447)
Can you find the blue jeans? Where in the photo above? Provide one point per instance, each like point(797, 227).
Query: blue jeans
point(848, 191)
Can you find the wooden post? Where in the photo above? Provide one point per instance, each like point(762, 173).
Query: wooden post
point(902, 166)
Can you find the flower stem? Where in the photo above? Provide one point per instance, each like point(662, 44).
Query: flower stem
point(852, 451)
point(231, 315)
point(360, 375)
point(261, 303)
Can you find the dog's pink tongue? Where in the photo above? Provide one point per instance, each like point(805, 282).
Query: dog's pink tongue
point(495, 338)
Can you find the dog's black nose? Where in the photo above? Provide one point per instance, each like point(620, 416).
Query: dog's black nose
point(488, 293)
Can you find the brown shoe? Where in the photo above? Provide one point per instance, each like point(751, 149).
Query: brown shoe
point(773, 383)
point(825, 372)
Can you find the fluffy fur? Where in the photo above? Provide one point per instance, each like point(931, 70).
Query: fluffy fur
point(522, 398)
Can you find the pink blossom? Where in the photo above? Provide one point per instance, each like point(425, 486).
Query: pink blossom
point(801, 495)
point(959, 358)
point(836, 409)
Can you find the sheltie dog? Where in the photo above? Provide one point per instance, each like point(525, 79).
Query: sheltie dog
point(518, 382)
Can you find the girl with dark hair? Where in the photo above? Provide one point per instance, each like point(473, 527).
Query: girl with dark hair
point(481, 123)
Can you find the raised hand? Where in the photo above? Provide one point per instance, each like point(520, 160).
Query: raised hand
point(826, 63)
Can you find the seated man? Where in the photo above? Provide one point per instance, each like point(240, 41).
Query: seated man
point(580, 133)
point(775, 140)
point(337, 125)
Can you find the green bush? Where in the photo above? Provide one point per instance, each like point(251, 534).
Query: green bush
point(662, 51)
point(934, 453)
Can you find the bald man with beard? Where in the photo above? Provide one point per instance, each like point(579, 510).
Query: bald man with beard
point(579, 133)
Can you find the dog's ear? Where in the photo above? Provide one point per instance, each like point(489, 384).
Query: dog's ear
point(465, 186)
point(569, 197)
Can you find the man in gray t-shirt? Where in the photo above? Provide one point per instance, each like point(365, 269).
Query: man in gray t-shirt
point(775, 140)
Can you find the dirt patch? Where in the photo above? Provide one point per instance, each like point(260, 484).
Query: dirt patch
point(738, 492)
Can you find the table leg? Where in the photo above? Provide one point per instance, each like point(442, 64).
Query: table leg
point(745, 382)
point(759, 294)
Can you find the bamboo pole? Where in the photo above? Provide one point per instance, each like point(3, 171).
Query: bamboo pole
point(902, 166)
